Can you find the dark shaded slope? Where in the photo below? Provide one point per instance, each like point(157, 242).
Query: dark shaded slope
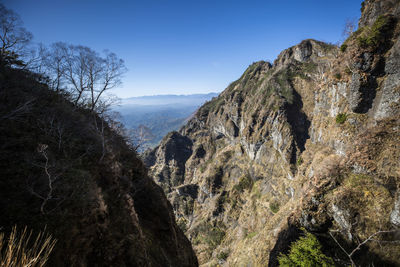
point(66, 168)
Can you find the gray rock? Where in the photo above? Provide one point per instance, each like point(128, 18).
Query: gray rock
point(372, 9)
point(366, 61)
point(342, 218)
point(303, 51)
point(393, 61)
point(389, 102)
point(354, 94)
point(395, 215)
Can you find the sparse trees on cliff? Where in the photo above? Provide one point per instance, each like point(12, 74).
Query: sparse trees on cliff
point(13, 37)
point(83, 73)
point(53, 61)
point(105, 74)
point(349, 27)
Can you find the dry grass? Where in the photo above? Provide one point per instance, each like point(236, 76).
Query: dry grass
point(23, 250)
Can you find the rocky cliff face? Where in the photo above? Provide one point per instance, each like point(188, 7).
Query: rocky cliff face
point(65, 168)
point(308, 141)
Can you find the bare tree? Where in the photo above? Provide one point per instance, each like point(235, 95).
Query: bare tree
point(13, 37)
point(105, 102)
point(107, 73)
point(91, 75)
point(76, 70)
point(84, 73)
point(53, 64)
point(349, 27)
point(32, 61)
point(141, 135)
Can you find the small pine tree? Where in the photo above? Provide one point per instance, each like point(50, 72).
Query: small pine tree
point(305, 252)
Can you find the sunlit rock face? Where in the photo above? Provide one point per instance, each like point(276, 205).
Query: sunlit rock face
point(308, 141)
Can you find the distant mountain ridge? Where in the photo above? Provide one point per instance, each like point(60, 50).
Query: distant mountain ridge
point(159, 114)
point(191, 99)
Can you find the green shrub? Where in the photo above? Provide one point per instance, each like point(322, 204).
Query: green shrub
point(223, 255)
point(341, 118)
point(227, 155)
point(211, 105)
point(214, 237)
point(202, 168)
point(372, 36)
point(338, 76)
point(245, 182)
point(233, 202)
point(209, 234)
point(343, 47)
point(285, 89)
point(182, 224)
point(308, 67)
point(251, 235)
point(306, 251)
point(299, 161)
point(274, 206)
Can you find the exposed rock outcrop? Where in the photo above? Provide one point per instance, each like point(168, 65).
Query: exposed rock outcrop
point(308, 141)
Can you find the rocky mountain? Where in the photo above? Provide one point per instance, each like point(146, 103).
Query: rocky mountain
point(67, 170)
point(306, 144)
point(159, 114)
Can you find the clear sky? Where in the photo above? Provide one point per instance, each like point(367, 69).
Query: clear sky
point(188, 46)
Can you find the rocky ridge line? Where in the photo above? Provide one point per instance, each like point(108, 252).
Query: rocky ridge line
point(303, 142)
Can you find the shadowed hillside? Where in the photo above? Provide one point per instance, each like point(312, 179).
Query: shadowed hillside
point(64, 167)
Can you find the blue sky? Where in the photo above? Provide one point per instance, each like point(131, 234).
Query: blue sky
point(189, 46)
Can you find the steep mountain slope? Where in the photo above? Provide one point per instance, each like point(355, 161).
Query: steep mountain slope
point(63, 167)
point(309, 141)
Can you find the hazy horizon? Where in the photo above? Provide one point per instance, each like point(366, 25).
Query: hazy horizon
point(167, 94)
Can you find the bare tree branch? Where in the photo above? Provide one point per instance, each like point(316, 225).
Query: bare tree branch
point(51, 178)
point(368, 239)
point(18, 111)
point(83, 72)
point(13, 37)
point(349, 27)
